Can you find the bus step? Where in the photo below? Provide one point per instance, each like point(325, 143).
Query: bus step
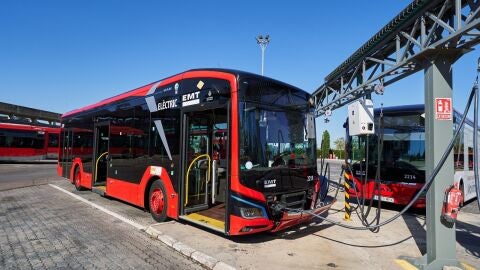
point(202, 220)
point(99, 190)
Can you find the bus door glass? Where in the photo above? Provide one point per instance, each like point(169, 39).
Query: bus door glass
point(206, 161)
point(67, 144)
point(101, 154)
point(198, 161)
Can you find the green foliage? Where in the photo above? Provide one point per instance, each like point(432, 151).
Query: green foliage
point(325, 145)
point(339, 150)
point(358, 148)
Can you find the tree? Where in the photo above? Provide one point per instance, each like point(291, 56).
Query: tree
point(339, 147)
point(325, 146)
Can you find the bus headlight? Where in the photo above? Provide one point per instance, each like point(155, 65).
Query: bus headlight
point(247, 209)
point(251, 212)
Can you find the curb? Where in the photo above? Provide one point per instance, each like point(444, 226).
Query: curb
point(197, 256)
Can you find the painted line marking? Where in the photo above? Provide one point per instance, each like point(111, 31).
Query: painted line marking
point(467, 266)
point(101, 208)
point(405, 265)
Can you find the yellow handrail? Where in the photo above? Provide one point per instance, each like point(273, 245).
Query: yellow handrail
point(96, 164)
point(188, 173)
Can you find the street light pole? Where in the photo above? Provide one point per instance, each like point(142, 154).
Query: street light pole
point(263, 42)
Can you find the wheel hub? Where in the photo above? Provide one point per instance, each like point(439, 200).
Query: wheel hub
point(156, 201)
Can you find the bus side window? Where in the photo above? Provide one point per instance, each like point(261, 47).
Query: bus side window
point(458, 153)
point(470, 158)
point(3, 141)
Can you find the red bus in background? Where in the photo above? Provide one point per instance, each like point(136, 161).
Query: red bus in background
point(52, 141)
point(27, 142)
point(224, 149)
point(402, 163)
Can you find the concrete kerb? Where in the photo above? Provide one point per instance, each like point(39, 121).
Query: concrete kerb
point(200, 257)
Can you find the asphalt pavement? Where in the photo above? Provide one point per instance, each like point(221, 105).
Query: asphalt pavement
point(16, 175)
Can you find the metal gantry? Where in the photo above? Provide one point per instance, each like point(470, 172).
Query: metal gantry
point(399, 49)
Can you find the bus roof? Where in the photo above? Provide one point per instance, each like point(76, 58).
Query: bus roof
point(27, 123)
point(21, 126)
point(401, 108)
point(143, 90)
point(415, 108)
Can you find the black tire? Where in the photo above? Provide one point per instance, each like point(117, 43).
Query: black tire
point(76, 179)
point(157, 201)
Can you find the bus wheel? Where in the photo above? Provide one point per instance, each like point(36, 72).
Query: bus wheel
point(157, 201)
point(76, 179)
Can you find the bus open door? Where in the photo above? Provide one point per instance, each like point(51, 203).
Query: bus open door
point(205, 168)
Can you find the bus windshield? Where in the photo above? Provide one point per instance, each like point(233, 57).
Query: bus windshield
point(403, 146)
point(275, 137)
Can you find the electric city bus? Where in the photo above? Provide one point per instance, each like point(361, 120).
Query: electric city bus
point(402, 164)
point(52, 142)
point(20, 141)
point(227, 150)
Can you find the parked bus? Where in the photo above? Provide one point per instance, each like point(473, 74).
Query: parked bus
point(402, 164)
point(52, 142)
point(26, 141)
point(224, 149)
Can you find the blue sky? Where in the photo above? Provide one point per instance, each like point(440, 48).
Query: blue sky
point(62, 55)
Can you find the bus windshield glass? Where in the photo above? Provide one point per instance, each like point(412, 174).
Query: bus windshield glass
point(275, 138)
point(403, 146)
point(276, 128)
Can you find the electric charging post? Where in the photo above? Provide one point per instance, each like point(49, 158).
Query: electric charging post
point(441, 240)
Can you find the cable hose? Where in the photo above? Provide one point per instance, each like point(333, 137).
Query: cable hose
point(339, 182)
point(425, 187)
point(377, 180)
point(322, 161)
point(364, 176)
point(324, 175)
point(362, 216)
point(475, 139)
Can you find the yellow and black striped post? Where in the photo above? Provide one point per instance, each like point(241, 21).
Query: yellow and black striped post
point(346, 186)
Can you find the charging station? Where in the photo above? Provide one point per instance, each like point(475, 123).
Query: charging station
point(360, 118)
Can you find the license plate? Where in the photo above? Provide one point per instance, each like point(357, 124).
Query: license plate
point(383, 198)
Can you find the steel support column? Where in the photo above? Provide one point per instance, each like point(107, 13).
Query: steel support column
point(441, 240)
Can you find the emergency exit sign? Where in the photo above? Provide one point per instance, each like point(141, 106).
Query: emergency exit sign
point(443, 108)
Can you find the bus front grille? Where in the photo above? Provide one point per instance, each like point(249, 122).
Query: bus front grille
point(294, 200)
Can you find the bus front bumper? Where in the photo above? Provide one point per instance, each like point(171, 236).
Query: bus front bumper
point(292, 218)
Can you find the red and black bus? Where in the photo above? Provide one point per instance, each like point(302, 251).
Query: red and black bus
point(224, 149)
point(402, 162)
point(27, 142)
point(52, 141)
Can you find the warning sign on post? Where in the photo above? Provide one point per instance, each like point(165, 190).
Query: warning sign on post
point(443, 108)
